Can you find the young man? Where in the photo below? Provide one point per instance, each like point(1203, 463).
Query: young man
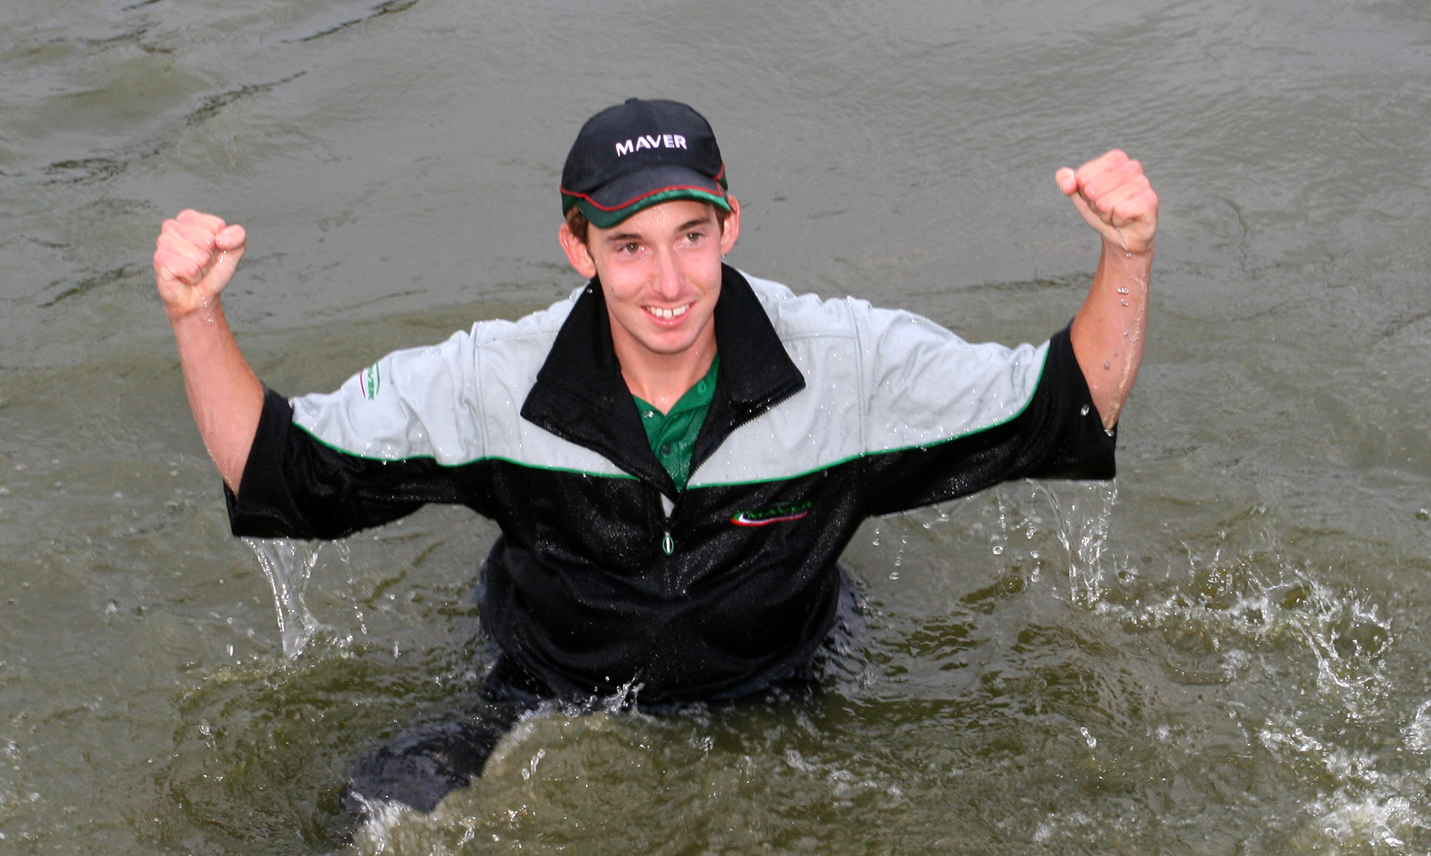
point(678, 453)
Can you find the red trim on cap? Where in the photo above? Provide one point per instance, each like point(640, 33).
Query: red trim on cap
point(633, 200)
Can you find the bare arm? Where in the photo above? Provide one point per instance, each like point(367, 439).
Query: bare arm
point(194, 260)
point(1116, 199)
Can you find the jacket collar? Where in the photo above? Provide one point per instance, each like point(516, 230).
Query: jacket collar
point(581, 397)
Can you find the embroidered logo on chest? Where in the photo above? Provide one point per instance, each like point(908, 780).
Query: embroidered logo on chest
point(781, 513)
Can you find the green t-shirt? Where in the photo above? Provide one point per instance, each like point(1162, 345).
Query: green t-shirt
point(672, 435)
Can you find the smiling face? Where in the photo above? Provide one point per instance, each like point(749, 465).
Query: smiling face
point(660, 270)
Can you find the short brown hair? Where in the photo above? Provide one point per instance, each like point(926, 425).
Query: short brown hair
point(577, 223)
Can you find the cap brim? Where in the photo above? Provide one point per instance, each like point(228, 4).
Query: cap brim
point(624, 196)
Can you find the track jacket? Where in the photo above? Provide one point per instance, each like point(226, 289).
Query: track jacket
point(825, 413)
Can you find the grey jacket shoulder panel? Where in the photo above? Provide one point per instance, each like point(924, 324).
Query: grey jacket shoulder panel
point(878, 380)
point(456, 402)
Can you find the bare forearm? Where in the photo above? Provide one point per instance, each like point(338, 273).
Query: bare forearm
point(224, 393)
point(1109, 331)
point(194, 259)
point(1115, 198)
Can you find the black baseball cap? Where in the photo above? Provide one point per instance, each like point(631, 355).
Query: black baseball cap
point(638, 154)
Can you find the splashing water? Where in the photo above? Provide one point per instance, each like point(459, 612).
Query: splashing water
point(288, 566)
point(1083, 533)
point(1417, 734)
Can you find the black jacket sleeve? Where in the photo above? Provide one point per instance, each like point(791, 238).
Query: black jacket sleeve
point(293, 486)
point(1058, 435)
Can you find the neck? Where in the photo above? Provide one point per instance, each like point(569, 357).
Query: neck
point(661, 379)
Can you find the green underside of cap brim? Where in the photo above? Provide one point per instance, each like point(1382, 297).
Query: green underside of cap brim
point(606, 219)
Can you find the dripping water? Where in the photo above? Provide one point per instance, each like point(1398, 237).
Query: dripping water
point(1082, 528)
point(289, 565)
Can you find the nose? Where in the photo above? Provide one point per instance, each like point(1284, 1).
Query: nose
point(668, 275)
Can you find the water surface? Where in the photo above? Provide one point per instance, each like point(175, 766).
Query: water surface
point(1225, 652)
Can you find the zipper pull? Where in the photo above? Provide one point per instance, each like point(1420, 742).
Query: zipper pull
point(668, 544)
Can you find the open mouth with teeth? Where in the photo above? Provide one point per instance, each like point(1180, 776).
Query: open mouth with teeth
point(668, 314)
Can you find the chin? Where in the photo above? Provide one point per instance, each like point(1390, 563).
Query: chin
point(667, 348)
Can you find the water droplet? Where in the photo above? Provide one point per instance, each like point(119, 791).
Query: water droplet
point(1124, 302)
point(1122, 291)
point(894, 575)
point(1127, 255)
point(998, 549)
point(1424, 514)
point(1106, 364)
point(1084, 411)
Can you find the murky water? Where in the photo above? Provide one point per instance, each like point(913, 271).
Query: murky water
point(1225, 653)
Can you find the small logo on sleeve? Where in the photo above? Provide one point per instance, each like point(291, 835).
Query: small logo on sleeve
point(371, 379)
point(782, 513)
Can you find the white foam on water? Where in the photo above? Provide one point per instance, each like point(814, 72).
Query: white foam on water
point(1370, 810)
point(1246, 614)
point(1371, 820)
point(383, 816)
point(1346, 635)
point(1347, 822)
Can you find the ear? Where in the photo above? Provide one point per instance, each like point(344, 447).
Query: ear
point(576, 252)
point(732, 226)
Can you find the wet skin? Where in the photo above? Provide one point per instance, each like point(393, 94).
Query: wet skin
point(660, 271)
